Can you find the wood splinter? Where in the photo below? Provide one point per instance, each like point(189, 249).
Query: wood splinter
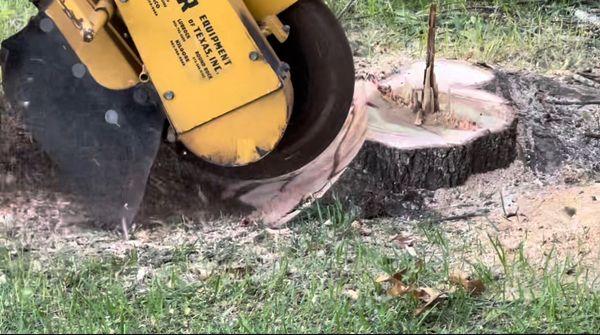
point(429, 102)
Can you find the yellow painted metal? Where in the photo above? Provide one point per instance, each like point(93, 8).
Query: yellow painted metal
point(228, 106)
point(216, 75)
point(198, 57)
point(245, 135)
point(260, 9)
point(111, 66)
point(272, 25)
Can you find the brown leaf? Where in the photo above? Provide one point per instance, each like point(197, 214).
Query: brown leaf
point(425, 294)
point(429, 296)
point(398, 288)
point(382, 278)
point(473, 286)
point(398, 276)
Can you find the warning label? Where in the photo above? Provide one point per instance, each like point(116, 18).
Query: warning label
point(199, 43)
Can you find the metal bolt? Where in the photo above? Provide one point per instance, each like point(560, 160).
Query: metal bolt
point(254, 56)
point(88, 36)
point(169, 95)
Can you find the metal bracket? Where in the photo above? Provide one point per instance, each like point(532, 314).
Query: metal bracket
point(271, 25)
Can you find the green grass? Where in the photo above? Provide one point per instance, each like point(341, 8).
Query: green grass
point(301, 291)
point(14, 14)
point(537, 35)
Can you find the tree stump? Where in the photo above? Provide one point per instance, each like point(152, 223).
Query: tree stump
point(474, 131)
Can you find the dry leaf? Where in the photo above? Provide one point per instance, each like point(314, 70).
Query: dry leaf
point(473, 286)
point(387, 278)
point(429, 296)
point(398, 288)
point(383, 278)
point(405, 243)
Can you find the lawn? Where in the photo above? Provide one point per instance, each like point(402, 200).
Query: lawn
point(538, 35)
point(323, 272)
point(318, 275)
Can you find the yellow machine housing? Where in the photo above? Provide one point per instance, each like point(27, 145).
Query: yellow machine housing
point(109, 59)
point(223, 88)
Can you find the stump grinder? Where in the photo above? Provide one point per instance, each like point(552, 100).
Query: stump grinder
point(249, 89)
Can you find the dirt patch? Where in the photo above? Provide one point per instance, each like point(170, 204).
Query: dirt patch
point(560, 220)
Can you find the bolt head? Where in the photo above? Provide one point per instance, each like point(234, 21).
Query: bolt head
point(88, 36)
point(169, 95)
point(254, 56)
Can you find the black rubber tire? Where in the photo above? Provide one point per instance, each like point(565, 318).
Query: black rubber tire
point(320, 57)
